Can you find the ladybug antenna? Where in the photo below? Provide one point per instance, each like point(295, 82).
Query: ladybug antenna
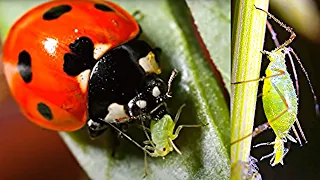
point(174, 73)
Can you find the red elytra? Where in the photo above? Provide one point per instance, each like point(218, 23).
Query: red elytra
point(34, 54)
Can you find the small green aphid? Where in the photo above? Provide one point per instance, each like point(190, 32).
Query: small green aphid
point(280, 100)
point(162, 135)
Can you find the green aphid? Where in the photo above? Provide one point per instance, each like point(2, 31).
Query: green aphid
point(279, 97)
point(163, 134)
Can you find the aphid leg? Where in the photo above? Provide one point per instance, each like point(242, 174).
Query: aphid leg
point(261, 79)
point(145, 128)
point(145, 165)
point(267, 156)
point(273, 34)
point(147, 142)
point(179, 113)
point(301, 131)
point(129, 138)
point(147, 148)
point(174, 146)
point(176, 134)
point(297, 135)
point(287, 28)
point(260, 128)
point(146, 133)
point(295, 75)
point(256, 131)
point(290, 138)
point(263, 144)
point(278, 153)
point(144, 149)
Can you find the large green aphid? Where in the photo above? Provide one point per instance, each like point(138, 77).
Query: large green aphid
point(279, 97)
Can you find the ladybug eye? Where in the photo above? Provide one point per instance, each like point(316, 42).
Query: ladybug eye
point(163, 149)
point(156, 91)
point(141, 104)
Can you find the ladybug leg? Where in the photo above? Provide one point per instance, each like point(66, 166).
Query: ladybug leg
point(138, 15)
point(116, 144)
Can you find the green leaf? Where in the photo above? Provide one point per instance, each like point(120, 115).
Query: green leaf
point(213, 21)
point(205, 151)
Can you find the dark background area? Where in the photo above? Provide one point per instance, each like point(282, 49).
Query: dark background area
point(30, 152)
point(300, 162)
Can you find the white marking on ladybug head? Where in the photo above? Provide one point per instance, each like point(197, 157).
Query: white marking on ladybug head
point(50, 45)
point(156, 91)
point(116, 112)
point(141, 104)
point(83, 79)
point(149, 64)
point(100, 49)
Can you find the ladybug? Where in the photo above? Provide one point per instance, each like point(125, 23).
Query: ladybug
point(75, 63)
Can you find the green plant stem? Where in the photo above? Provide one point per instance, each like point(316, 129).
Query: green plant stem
point(247, 42)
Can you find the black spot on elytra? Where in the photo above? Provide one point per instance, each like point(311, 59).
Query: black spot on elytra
point(81, 57)
point(102, 7)
point(45, 111)
point(56, 12)
point(24, 66)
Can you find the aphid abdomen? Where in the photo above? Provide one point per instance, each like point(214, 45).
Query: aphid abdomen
point(161, 130)
point(279, 95)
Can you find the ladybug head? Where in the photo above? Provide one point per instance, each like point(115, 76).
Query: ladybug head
point(151, 101)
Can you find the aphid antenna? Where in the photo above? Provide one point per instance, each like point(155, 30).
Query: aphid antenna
point(273, 34)
point(146, 133)
point(287, 28)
